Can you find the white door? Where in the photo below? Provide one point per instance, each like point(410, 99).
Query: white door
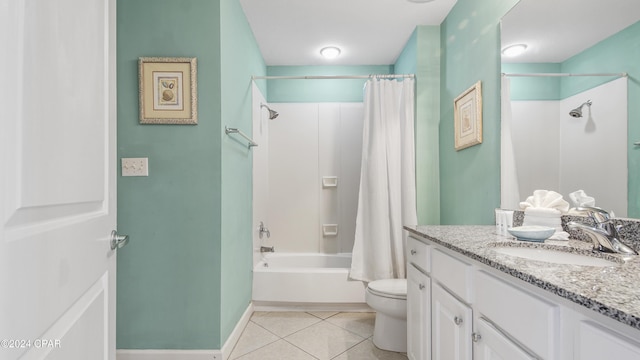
point(57, 179)
point(418, 314)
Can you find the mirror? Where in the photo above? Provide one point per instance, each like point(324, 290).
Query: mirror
point(552, 149)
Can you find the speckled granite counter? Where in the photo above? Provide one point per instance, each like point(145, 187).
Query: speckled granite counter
point(611, 291)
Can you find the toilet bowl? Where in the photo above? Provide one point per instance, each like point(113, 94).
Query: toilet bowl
point(389, 299)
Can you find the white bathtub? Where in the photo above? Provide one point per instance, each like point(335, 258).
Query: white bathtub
point(306, 278)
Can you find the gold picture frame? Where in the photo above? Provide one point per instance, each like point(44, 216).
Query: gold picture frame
point(467, 117)
point(168, 90)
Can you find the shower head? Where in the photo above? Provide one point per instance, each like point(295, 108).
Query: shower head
point(577, 112)
point(272, 113)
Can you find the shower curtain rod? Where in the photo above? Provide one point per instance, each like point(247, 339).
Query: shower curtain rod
point(624, 74)
point(334, 77)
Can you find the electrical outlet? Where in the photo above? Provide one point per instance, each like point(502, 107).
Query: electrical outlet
point(135, 166)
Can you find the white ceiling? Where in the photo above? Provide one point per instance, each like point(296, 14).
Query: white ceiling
point(555, 30)
point(369, 32)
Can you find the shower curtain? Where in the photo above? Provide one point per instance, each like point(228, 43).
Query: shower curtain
point(509, 191)
point(387, 197)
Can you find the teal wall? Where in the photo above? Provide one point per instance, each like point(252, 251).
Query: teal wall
point(470, 178)
point(421, 56)
point(350, 90)
point(241, 59)
point(616, 54)
point(183, 281)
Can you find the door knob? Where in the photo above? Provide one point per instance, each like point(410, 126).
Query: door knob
point(118, 241)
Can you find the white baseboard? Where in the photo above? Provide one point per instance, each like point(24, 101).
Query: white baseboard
point(233, 338)
point(169, 355)
point(223, 354)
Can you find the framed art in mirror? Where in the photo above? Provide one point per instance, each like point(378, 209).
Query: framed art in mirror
point(168, 90)
point(467, 117)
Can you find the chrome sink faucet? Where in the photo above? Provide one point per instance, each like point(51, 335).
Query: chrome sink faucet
point(604, 234)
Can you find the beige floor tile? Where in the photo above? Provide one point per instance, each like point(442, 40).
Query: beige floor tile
point(324, 340)
point(279, 350)
point(323, 314)
point(284, 323)
point(367, 351)
point(253, 337)
point(361, 323)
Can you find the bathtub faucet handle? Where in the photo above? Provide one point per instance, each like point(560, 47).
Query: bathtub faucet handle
point(262, 230)
point(266, 249)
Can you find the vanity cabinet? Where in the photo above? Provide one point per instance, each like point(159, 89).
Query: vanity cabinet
point(479, 312)
point(473, 314)
point(452, 326)
point(418, 300)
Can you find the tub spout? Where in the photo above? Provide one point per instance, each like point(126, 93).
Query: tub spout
point(266, 249)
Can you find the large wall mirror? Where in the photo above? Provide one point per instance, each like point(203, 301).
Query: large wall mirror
point(559, 142)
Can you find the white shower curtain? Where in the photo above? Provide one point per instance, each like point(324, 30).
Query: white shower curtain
point(387, 198)
point(509, 190)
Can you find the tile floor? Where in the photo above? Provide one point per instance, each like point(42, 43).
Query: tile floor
point(310, 336)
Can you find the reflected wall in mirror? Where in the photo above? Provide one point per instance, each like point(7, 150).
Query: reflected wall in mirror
point(552, 149)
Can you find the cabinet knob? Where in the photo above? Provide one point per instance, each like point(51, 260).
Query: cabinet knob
point(421, 286)
point(457, 320)
point(476, 337)
point(413, 252)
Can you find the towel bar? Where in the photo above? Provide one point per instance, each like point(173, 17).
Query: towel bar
point(229, 130)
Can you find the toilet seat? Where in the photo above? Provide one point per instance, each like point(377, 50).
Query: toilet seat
point(389, 288)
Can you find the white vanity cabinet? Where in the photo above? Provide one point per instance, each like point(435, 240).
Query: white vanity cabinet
point(418, 300)
point(452, 325)
point(481, 313)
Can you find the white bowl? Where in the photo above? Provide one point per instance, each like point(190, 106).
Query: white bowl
point(532, 233)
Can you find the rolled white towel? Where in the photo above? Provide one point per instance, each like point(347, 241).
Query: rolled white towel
point(580, 199)
point(545, 199)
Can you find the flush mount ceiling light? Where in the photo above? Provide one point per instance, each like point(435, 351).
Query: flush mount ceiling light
point(330, 52)
point(514, 50)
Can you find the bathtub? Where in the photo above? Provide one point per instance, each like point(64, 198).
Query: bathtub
point(305, 279)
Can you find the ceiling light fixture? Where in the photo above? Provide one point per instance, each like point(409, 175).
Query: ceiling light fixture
point(330, 52)
point(514, 50)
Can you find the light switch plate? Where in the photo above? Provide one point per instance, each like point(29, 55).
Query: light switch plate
point(135, 166)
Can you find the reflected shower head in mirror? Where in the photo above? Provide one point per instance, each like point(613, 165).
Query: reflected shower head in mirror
point(577, 112)
point(272, 113)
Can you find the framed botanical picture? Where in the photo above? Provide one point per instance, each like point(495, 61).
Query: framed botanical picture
point(168, 90)
point(467, 117)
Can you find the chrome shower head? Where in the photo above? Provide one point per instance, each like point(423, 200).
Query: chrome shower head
point(577, 112)
point(272, 113)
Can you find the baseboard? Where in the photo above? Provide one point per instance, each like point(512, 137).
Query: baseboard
point(223, 354)
point(233, 338)
point(169, 355)
point(290, 306)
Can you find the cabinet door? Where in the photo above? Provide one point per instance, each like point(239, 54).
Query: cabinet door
point(491, 344)
point(418, 315)
point(595, 342)
point(451, 326)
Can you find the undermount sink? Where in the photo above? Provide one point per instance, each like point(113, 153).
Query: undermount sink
point(555, 257)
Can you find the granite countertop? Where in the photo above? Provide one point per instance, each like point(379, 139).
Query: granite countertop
point(612, 291)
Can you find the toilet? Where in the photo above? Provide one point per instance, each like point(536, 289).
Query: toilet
point(389, 299)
